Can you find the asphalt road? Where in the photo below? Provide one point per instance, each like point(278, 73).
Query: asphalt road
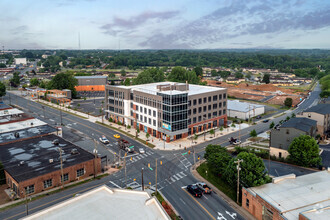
point(173, 174)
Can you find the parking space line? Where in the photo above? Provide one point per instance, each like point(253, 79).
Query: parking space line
point(200, 205)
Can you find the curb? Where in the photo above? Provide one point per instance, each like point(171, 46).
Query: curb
point(175, 211)
point(245, 214)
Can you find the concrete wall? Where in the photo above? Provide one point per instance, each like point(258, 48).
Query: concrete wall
point(281, 138)
point(323, 121)
point(92, 81)
point(279, 153)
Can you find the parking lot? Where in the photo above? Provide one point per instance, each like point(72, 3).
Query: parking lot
point(91, 106)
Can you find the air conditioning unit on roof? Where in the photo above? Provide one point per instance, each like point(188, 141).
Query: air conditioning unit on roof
point(51, 160)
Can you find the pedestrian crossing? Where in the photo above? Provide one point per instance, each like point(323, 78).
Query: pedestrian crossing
point(140, 157)
point(176, 177)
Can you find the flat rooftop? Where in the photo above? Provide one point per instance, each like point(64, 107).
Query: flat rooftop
point(293, 195)
point(236, 105)
point(90, 77)
point(105, 203)
point(35, 154)
point(19, 125)
point(25, 133)
point(12, 111)
point(152, 88)
point(4, 106)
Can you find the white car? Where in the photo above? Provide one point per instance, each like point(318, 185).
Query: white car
point(141, 150)
point(104, 140)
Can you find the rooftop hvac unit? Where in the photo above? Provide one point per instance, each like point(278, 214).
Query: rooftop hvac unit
point(56, 142)
point(21, 163)
point(16, 134)
point(63, 159)
point(74, 151)
point(51, 160)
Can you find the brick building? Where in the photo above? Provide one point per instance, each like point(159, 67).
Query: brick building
point(290, 197)
point(33, 165)
point(166, 109)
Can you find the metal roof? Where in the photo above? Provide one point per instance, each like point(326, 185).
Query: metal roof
point(239, 106)
point(320, 108)
point(303, 124)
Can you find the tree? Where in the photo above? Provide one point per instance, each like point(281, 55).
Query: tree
point(177, 74)
point(16, 79)
point(2, 89)
point(123, 72)
point(293, 115)
point(127, 82)
point(147, 135)
point(304, 151)
point(2, 65)
point(149, 75)
point(271, 125)
point(212, 132)
point(266, 79)
point(252, 171)
point(287, 118)
point(221, 129)
point(239, 75)
point(217, 158)
point(111, 75)
point(64, 81)
point(253, 133)
point(199, 71)
point(288, 102)
point(248, 75)
point(34, 82)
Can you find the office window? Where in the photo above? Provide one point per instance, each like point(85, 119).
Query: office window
point(215, 98)
point(215, 114)
point(199, 118)
point(65, 177)
point(131, 113)
point(220, 104)
point(224, 111)
point(220, 96)
point(204, 99)
point(215, 106)
point(224, 96)
point(247, 203)
point(189, 103)
point(145, 119)
point(150, 112)
point(209, 116)
point(131, 104)
point(149, 119)
point(220, 113)
point(189, 121)
point(194, 111)
point(145, 110)
point(209, 108)
point(209, 98)
point(224, 104)
point(204, 108)
point(194, 120)
point(141, 118)
point(189, 112)
point(29, 189)
point(200, 101)
point(199, 109)
point(80, 172)
point(48, 183)
point(194, 102)
point(154, 113)
point(154, 122)
point(204, 116)
point(141, 109)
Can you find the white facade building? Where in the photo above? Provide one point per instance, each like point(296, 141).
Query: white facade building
point(19, 61)
point(244, 110)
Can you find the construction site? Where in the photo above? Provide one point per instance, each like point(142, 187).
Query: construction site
point(265, 93)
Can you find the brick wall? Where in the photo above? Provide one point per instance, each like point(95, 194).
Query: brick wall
point(55, 176)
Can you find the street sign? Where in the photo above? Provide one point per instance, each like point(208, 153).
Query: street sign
point(184, 153)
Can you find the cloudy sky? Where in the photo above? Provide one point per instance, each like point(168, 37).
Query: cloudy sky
point(164, 24)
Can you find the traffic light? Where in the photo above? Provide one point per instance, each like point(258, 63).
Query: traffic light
point(149, 165)
point(134, 179)
point(188, 151)
point(198, 158)
point(161, 162)
point(132, 158)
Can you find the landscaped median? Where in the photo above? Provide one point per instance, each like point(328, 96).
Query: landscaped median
point(128, 134)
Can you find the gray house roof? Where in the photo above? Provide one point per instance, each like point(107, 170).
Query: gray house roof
point(320, 108)
point(303, 124)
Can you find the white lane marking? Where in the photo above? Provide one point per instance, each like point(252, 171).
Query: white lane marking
point(51, 120)
point(205, 197)
point(177, 178)
point(183, 174)
point(114, 184)
point(182, 201)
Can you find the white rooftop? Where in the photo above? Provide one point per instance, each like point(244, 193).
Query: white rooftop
point(152, 88)
point(105, 203)
point(293, 195)
point(21, 125)
point(12, 111)
point(237, 105)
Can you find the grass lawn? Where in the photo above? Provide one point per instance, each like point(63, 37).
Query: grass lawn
point(217, 181)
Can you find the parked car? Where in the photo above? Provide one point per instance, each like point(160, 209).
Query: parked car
point(265, 121)
point(104, 140)
point(206, 189)
point(258, 117)
point(195, 190)
point(141, 150)
point(234, 141)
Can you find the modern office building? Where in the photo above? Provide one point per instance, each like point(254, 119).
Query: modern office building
point(167, 109)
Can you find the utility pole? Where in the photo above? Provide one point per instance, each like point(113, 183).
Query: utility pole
point(192, 146)
point(43, 108)
point(156, 176)
point(239, 130)
point(9, 99)
point(238, 169)
point(62, 175)
point(125, 170)
point(142, 179)
point(61, 114)
point(95, 157)
point(26, 203)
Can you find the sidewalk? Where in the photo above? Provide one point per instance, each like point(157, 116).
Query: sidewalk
point(245, 214)
point(159, 144)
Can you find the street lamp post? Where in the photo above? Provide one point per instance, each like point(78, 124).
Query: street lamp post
point(142, 179)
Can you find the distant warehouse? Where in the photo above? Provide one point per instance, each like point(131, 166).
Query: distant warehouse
point(244, 110)
point(91, 83)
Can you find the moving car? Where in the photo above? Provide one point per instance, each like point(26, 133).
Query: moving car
point(258, 117)
point(206, 189)
point(104, 140)
point(195, 190)
point(265, 121)
point(234, 141)
point(141, 150)
point(116, 136)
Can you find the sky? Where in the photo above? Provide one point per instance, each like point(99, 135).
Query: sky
point(164, 24)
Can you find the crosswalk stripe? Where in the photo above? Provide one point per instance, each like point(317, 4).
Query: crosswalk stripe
point(179, 175)
point(148, 153)
point(182, 173)
point(138, 157)
point(173, 180)
point(177, 178)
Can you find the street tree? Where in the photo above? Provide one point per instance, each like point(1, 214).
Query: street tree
point(252, 171)
point(34, 82)
point(288, 102)
point(217, 158)
point(304, 151)
point(147, 135)
point(2, 89)
point(271, 125)
point(287, 118)
point(64, 81)
point(253, 133)
point(266, 78)
point(212, 132)
point(111, 75)
point(221, 129)
point(293, 115)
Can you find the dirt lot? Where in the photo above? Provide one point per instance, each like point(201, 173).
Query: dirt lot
point(3, 196)
point(267, 93)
